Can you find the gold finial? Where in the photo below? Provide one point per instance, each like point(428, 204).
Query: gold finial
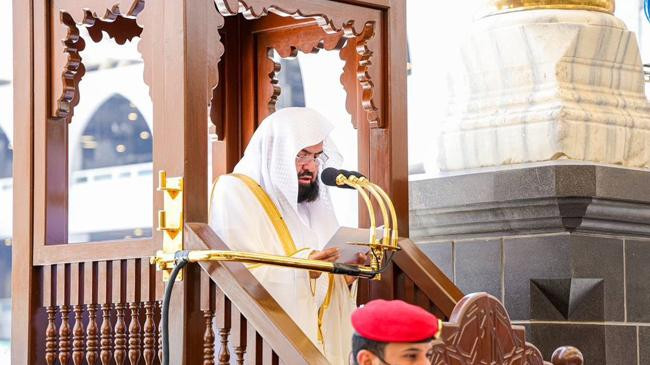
point(503, 6)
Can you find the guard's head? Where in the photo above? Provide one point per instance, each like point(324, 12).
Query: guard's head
point(308, 162)
point(392, 332)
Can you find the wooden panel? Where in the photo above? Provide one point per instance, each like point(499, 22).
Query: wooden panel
point(96, 251)
point(23, 299)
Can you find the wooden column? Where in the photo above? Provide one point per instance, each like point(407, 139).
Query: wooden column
point(181, 59)
point(23, 298)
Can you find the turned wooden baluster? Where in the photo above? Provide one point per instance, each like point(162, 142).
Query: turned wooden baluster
point(239, 327)
point(207, 300)
point(159, 332)
point(119, 282)
point(149, 350)
point(104, 297)
point(50, 336)
point(49, 302)
point(208, 338)
point(160, 289)
point(133, 279)
point(64, 335)
point(147, 294)
point(90, 300)
point(63, 298)
point(222, 307)
point(120, 334)
point(77, 290)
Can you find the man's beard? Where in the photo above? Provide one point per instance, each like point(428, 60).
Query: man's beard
point(307, 193)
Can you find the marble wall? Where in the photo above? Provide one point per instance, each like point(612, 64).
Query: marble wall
point(545, 85)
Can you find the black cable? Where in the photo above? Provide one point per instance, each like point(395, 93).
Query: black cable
point(181, 261)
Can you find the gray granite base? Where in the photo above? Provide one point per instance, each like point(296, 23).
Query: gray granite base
point(566, 248)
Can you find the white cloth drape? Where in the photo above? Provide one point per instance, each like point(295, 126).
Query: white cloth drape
point(242, 223)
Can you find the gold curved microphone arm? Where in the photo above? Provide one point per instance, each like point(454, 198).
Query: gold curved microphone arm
point(391, 207)
point(343, 180)
point(166, 261)
point(363, 182)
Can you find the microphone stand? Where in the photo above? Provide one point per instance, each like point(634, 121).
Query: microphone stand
point(175, 261)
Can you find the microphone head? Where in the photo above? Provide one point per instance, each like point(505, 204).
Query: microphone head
point(328, 176)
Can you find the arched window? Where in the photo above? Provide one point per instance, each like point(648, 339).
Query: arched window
point(115, 135)
point(6, 155)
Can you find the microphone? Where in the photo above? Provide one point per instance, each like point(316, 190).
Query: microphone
point(352, 270)
point(329, 175)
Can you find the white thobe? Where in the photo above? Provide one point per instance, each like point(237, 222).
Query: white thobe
point(241, 222)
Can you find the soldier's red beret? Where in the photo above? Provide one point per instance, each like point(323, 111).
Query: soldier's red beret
point(394, 321)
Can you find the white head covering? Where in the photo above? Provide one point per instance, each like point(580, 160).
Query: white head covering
point(270, 160)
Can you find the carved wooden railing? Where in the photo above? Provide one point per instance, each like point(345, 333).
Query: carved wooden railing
point(102, 312)
point(108, 312)
point(252, 326)
point(234, 297)
point(479, 332)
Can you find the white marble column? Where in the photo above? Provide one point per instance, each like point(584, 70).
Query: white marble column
point(542, 85)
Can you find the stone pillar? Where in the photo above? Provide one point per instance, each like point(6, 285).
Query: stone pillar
point(544, 199)
point(544, 85)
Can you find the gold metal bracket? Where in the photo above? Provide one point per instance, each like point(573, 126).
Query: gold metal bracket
point(170, 219)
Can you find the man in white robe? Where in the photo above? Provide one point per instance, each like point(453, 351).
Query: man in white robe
point(284, 158)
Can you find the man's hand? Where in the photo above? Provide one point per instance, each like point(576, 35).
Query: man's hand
point(361, 259)
point(331, 254)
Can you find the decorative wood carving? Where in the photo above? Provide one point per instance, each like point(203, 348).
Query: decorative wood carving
point(102, 9)
point(148, 352)
point(208, 338)
point(73, 71)
point(120, 334)
point(92, 335)
point(50, 336)
point(64, 334)
point(310, 39)
point(363, 74)
point(78, 336)
point(118, 27)
point(121, 27)
point(224, 353)
point(479, 332)
point(223, 323)
point(567, 355)
point(105, 338)
point(357, 56)
point(360, 28)
point(134, 334)
point(301, 9)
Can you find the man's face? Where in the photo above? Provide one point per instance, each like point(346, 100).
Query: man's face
point(307, 169)
point(398, 354)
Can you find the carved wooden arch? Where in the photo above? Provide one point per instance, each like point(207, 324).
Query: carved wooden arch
point(289, 48)
point(119, 26)
point(479, 332)
point(363, 32)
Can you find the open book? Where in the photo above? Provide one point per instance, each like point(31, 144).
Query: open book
point(345, 238)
